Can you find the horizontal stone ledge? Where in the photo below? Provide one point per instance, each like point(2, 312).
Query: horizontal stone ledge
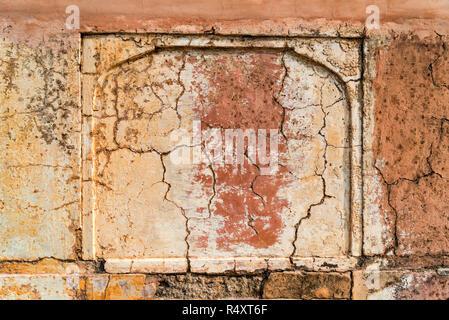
point(153, 265)
point(244, 264)
point(197, 265)
point(215, 265)
point(340, 264)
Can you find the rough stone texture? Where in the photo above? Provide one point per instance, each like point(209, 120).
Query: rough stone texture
point(208, 287)
point(117, 287)
point(93, 207)
point(305, 285)
point(39, 287)
point(400, 285)
point(75, 287)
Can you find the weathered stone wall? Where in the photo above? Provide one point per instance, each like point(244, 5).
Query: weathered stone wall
point(93, 206)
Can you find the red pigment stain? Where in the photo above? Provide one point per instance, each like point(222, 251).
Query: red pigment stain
point(240, 93)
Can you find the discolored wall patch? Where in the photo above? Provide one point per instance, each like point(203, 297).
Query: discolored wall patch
point(161, 191)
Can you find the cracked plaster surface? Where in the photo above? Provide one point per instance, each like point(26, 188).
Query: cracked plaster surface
point(39, 146)
point(148, 207)
point(407, 151)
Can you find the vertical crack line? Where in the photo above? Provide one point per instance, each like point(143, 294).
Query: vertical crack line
point(186, 239)
point(438, 56)
point(250, 219)
point(183, 88)
point(395, 230)
point(396, 240)
point(157, 97)
point(255, 178)
point(250, 224)
point(428, 159)
point(106, 287)
point(266, 275)
point(309, 213)
point(214, 184)
point(321, 175)
point(276, 98)
point(116, 122)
